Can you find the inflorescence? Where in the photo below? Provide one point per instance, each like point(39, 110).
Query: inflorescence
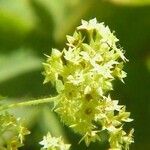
point(53, 143)
point(83, 74)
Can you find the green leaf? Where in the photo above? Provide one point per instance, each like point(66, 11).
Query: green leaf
point(16, 63)
point(16, 21)
point(2, 97)
point(19, 10)
point(50, 122)
point(132, 2)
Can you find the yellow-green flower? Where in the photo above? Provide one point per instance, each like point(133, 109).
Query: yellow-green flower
point(12, 132)
point(53, 143)
point(83, 74)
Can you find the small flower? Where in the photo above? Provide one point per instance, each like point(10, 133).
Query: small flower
point(53, 143)
point(92, 24)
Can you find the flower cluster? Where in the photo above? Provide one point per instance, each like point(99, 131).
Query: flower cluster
point(83, 74)
point(12, 131)
point(53, 143)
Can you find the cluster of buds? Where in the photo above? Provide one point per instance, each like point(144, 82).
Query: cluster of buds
point(83, 74)
point(12, 131)
point(53, 143)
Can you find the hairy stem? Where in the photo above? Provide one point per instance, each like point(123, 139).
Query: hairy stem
point(28, 103)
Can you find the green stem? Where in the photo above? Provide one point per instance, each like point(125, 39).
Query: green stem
point(28, 103)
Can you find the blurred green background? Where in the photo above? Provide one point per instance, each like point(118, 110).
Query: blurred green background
point(31, 28)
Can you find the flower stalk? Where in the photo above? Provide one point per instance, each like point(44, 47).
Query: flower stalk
point(28, 103)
